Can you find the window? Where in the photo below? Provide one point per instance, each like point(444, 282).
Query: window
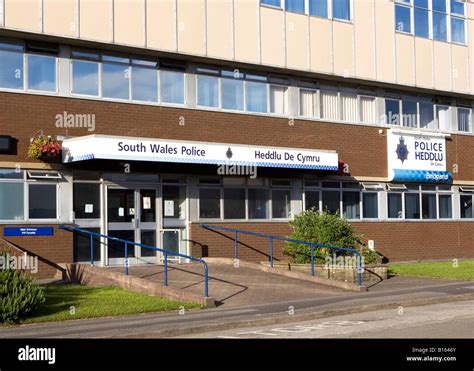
point(370, 205)
point(439, 20)
point(427, 120)
point(392, 111)
point(11, 65)
point(331, 201)
point(402, 18)
point(11, 201)
point(172, 87)
point(232, 94)
point(41, 72)
point(422, 27)
point(311, 200)
point(464, 119)
point(412, 206)
point(234, 203)
point(329, 105)
point(318, 8)
point(308, 99)
point(296, 6)
point(210, 203)
point(278, 99)
point(208, 91)
point(272, 2)
point(443, 118)
point(42, 202)
point(281, 203)
point(351, 205)
point(341, 9)
point(445, 206)
point(86, 200)
point(395, 210)
point(367, 110)
point(257, 203)
point(458, 30)
point(457, 7)
point(256, 96)
point(349, 107)
point(144, 81)
point(410, 109)
point(115, 77)
point(428, 205)
point(466, 206)
point(85, 78)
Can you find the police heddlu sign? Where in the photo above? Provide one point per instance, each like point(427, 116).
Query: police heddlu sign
point(137, 149)
point(417, 158)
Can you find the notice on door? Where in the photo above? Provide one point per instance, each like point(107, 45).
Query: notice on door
point(169, 208)
point(146, 203)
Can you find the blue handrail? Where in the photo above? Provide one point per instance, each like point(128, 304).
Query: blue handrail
point(272, 237)
point(126, 243)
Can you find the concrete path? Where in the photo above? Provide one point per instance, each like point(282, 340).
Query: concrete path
point(232, 286)
point(392, 293)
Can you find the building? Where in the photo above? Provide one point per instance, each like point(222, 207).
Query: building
point(362, 107)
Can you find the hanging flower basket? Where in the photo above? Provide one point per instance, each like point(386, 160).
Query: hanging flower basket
point(44, 148)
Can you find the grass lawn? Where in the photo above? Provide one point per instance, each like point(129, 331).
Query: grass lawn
point(447, 270)
point(89, 302)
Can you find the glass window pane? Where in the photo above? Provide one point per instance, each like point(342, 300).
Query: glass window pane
point(422, 28)
point(85, 78)
point(351, 205)
point(341, 9)
point(464, 118)
point(11, 174)
point(439, 5)
point(439, 27)
point(402, 19)
point(331, 201)
point(281, 204)
point(412, 206)
point(329, 105)
point(428, 203)
point(311, 200)
point(86, 200)
point(395, 205)
point(144, 84)
point(234, 203)
point(257, 204)
point(392, 111)
point(11, 201)
point(367, 109)
point(115, 79)
point(82, 246)
point(172, 87)
point(41, 73)
point(457, 7)
point(174, 202)
point(445, 207)
point(410, 109)
point(42, 201)
point(443, 118)
point(256, 96)
point(208, 91)
point(370, 205)
point(307, 103)
point(466, 206)
point(349, 107)
point(421, 3)
point(427, 120)
point(458, 30)
point(11, 69)
point(271, 2)
point(318, 8)
point(296, 6)
point(232, 94)
point(210, 203)
point(278, 99)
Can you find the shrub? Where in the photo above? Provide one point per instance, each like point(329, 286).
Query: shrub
point(327, 229)
point(19, 296)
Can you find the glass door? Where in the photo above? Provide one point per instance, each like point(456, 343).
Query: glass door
point(131, 216)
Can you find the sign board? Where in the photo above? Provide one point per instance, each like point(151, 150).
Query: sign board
point(163, 150)
point(27, 231)
point(415, 157)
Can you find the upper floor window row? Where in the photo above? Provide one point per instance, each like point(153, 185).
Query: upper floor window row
point(120, 77)
point(234, 90)
point(441, 20)
point(332, 9)
point(28, 66)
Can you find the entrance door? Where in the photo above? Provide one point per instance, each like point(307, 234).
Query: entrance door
point(131, 216)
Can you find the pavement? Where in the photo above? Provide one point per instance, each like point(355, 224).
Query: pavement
point(390, 294)
point(448, 320)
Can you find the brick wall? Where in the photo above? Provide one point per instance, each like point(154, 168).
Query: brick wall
point(405, 241)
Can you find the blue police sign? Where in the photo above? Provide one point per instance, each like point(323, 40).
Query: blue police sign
point(27, 231)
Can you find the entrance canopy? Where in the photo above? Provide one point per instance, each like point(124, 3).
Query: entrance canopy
point(106, 147)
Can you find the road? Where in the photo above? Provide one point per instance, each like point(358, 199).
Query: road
point(449, 320)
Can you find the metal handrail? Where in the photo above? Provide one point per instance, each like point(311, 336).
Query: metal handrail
point(126, 243)
point(272, 237)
